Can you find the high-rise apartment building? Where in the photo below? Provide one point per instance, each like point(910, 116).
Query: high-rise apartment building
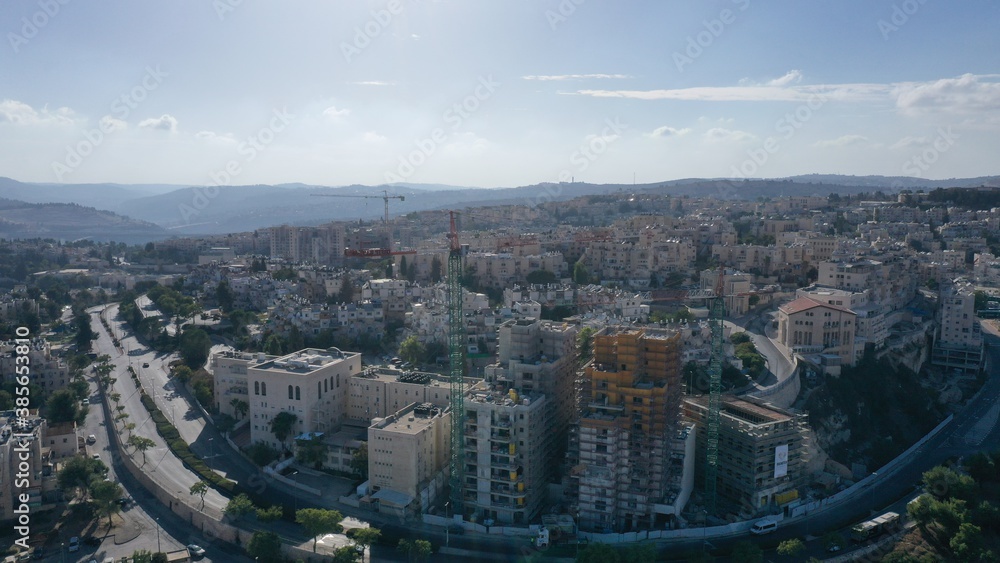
point(627, 449)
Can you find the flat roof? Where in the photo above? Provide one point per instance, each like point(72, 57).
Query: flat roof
point(304, 361)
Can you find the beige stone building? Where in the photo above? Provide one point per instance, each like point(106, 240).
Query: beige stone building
point(808, 326)
point(312, 384)
point(408, 458)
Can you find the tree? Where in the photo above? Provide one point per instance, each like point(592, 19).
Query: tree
point(345, 554)
point(580, 274)
point(194, 348)
point(747, 552)
point(78, 472)
point(238, 506)
point(142, 555)
point(105, 495)
point(311, 452)
point(366, 537)
point(224, 296)
point(319, 521)
point(641, 553)
point(359, 461)
point(421, 550)
point(404, 269)
point(599, 553)
point(201, 489)
point(261, 453)
point(282, 424)
point(158, 557)
point(540, 277)
point(346, 294)
point(270, 514)
point(792, 547)
point(141, 444)
point(967, 543)
point(130, 427)
point(84, 333)
point(62, 406)
point(944, 482)
point(265, 547)
point(584, 339)
point(436, 268)
point(240, 407)
point(920, 510)
point(833, 540)
point(412, 350)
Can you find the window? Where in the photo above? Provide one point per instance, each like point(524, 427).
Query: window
point(263, 388)
point(289, 392)
point(298, 394)
point(256, 388)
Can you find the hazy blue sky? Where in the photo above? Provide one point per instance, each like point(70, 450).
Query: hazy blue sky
point(495, 92)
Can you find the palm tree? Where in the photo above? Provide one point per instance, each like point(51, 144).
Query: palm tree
point(240, 407)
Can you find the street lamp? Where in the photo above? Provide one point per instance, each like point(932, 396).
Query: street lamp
point(211, 445)
point(447, 528)
point(874, 477)
point(158, 536)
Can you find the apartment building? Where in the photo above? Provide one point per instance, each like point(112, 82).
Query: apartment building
point(48, 371)
point(872, 316)
point(323, 244)
point(958, 343)
point(24, 466)
point(735, 288)
point(408, 458)
point(763, 453)
point(627, 450)
point(539, 358)
point(229, 372)
point(507, 453)
point(808, 326)
point(312, 384)
point(377, 391)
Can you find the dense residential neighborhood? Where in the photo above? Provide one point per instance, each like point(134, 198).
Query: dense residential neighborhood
point(326, 373)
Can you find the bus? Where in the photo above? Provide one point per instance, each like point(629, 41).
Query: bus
point(874, 527)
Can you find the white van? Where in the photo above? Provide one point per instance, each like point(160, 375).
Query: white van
point(764, 526)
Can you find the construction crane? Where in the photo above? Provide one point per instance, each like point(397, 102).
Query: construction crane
point(717, 312)
point(456, 362)
point(384, 197)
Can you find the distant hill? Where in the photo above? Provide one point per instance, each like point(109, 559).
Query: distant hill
point(69, 221)
point(221, 209)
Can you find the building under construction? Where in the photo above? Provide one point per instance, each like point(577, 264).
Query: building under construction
point(628, 449)
point(763, 453)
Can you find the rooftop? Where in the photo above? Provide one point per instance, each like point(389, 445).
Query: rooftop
point(806, 303)
point(304, 361)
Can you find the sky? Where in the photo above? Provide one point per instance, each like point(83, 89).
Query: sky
point(495, 93)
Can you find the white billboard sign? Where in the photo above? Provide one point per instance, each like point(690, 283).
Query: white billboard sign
point(781, 461)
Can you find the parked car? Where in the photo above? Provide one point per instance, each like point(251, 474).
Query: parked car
point(91, 439)
point(85, 401)
point(196, 550)
point(145, 364)
point(74, 544)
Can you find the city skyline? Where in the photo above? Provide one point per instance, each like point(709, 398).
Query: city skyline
point(492, 94)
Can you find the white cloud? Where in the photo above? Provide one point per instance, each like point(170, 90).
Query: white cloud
point(213, 137)
point(20, 113)
point(968, 93)
point(165, 122)
point(110, 124)
point(790, 77)
point(372, 137)
point(723, 135)
point(667, 131)
point(466, 144)
point(843, 141)
point(374, 83)
point(335, 114)
point(910, 142)
point(556, 77)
